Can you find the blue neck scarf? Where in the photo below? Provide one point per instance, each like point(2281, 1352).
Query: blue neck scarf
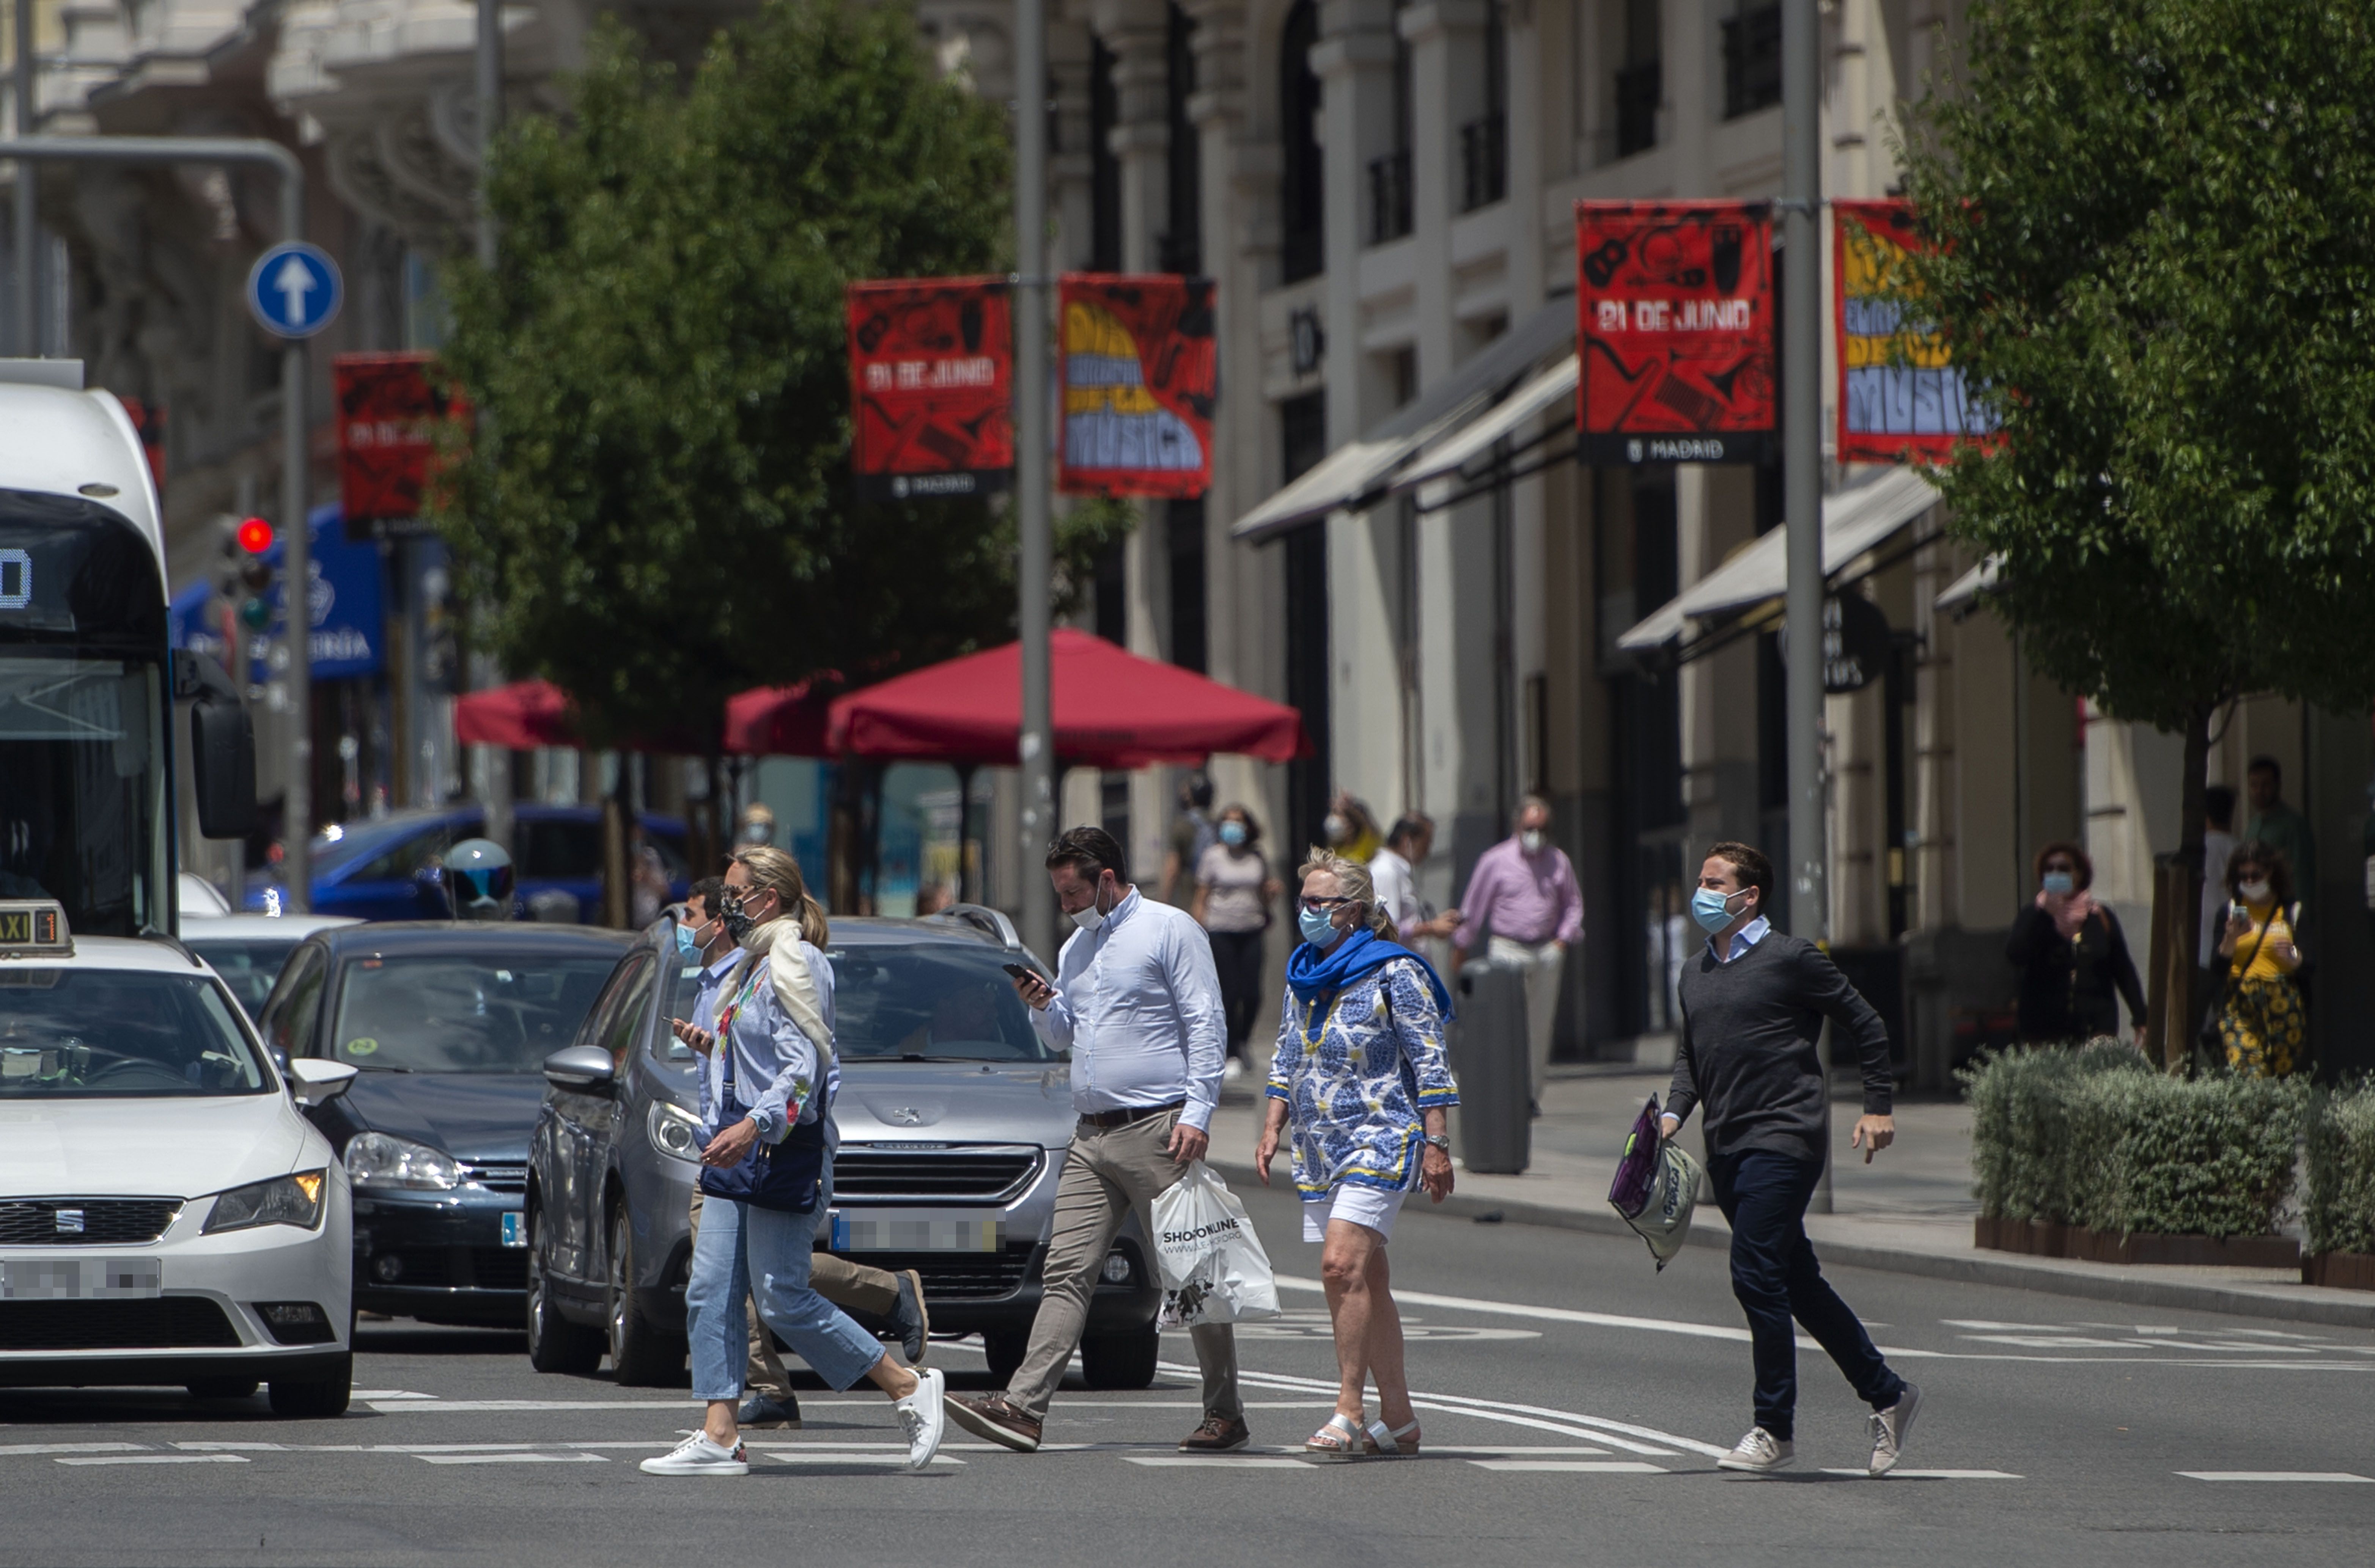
point(1313, 974)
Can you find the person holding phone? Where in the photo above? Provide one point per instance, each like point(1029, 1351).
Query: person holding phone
point(2262, 1023)
point(1137, 1005)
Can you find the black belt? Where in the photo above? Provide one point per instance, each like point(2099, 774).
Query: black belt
point(1128, 1114)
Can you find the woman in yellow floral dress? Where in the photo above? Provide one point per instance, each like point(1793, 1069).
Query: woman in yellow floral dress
point(2262, 1022)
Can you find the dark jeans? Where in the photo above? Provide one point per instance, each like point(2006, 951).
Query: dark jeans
point(1774, 1274)
point(1237, 956)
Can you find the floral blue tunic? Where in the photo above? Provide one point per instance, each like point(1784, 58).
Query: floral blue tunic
point(1357, 1069)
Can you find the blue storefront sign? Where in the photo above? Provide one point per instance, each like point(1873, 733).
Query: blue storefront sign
point(348, 633)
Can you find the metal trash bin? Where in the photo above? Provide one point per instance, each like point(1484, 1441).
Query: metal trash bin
point(1488, 1056)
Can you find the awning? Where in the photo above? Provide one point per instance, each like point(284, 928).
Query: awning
point(1505, 419)
point(1355, 475)
point(1965, 593)
point(1854, 520)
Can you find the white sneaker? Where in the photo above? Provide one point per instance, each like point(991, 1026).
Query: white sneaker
point(1232, 1070)
point(923, 1417)
point(697, 1456)
point(1759, 1452)
point(1890, 1427)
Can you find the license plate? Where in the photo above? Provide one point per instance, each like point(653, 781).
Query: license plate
point(79, 1278)
point(916, 1233)
point(514, 1232)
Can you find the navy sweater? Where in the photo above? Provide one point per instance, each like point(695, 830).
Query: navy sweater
point(1748, 1046)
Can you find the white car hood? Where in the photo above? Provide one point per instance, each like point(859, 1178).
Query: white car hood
point(162, 1148)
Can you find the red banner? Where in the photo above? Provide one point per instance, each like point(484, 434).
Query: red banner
point(931, 375)
point(1676, 326)
point(1899, 393)
point(1139, 372)
point(390, 411)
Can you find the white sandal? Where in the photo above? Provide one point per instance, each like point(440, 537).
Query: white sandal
point(1388, 1444)
point(1337, 1442)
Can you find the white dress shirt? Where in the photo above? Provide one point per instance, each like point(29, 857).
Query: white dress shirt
point(1137, 1004)
point(1396, 890)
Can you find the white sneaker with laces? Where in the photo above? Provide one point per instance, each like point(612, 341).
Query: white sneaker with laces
point(1890, 1427)
point(923, 1416)
point(697, 1456)
point(1759, 1452)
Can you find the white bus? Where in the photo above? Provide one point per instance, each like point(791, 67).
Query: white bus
point(88, 680)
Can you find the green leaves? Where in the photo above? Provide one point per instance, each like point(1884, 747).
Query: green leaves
point(658, 507)
point(2340, 1213)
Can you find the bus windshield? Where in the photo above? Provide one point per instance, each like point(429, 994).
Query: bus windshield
point(82, 787)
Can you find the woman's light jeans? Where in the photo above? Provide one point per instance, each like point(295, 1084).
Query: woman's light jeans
point(764, 1253)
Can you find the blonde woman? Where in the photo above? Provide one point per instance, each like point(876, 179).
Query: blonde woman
point(1361, 1083)
point(767, 1085)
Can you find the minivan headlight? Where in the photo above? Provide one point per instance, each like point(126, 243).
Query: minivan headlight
point(378, 1160)
point(284, 1200)
point(675, 1131)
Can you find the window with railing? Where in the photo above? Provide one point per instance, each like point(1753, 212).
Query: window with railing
point(1390, 197)
point(1637, 89)
point(1483, 161)
point(1752, 61)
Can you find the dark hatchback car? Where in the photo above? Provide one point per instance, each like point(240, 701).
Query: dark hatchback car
point(954, 1119)
point(448, 1026)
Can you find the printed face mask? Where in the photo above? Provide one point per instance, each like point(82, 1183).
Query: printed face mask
point(739, 922)
point(2061, 884)
point(1712, 909)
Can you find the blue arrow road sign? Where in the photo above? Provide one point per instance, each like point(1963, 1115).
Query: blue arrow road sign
point(294, 290)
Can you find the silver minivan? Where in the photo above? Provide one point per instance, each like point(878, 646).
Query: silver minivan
point(954, 1118)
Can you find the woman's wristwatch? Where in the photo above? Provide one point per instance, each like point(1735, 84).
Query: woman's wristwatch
point(1440, 1140)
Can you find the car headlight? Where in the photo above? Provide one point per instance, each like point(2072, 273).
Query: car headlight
point(675, 1131)
point(284, 1200)
point(377, 1160)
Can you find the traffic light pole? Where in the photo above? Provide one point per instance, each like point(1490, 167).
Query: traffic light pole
point(297, 594)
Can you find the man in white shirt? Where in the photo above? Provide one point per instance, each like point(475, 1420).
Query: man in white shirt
point(1137, 1005)
point(1393, 876)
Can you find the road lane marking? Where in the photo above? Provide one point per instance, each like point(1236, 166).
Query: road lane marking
point(74, 1448)
point(1565, 1422)
point(1575, 1467)
point(485, 1407)
point(152, 1459)
point(1932, 1475)
point(831, 1457)
point(2344, 1476)
point(512, 1458)
point(1213, 1462)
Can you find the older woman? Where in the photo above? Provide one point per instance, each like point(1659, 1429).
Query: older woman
point(2261, 1021)
point(2071, 955)
point(1361, 1078)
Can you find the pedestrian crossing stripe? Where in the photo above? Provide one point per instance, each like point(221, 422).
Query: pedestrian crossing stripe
point(2342, 1475)
point(1933, 1474)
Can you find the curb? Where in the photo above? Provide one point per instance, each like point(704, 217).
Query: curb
point(2007, 1271)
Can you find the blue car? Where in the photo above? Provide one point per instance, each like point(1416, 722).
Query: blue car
point(388, 868)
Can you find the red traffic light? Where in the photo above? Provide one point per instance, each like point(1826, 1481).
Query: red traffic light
point(255, 535)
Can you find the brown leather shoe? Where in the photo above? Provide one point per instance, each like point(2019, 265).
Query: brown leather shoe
point(997, 1418)
point(1219, 1434)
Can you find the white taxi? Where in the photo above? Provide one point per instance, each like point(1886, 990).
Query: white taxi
point(167, 1214)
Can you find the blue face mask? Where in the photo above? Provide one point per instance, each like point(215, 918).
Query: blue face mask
point(1233, 834)
point(684, 942)
point(1712, 909)
point(1318, 928)
point(2061, 884)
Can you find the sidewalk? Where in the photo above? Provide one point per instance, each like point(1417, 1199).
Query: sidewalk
point(1909, 1211)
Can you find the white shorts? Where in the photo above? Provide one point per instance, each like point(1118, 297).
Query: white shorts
point(1372, 1207)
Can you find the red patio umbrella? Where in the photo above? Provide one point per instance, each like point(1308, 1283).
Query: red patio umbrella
point(529, 713)
point(1113, 710)
point(780, 721)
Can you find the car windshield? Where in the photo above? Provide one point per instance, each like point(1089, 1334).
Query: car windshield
point(946, 1001)
point(452, 1013)
point(84, 1034)
point(248, 964)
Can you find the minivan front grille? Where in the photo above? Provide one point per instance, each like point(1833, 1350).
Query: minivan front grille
point(962, 1174)
point(85, 1222)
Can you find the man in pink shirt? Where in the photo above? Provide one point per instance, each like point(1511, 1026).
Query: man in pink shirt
point(1523, 890)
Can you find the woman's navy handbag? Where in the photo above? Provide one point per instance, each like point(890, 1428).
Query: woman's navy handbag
point(784, 1176)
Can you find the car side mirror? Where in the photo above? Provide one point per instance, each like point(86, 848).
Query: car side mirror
point(586, 1068)
point(222, 747)
point(313, 1081)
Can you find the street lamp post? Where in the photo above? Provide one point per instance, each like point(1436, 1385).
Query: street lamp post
point(26, 217)
point(1036, 746)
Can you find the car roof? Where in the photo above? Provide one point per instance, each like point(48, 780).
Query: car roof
point(121, 954)
point(869, 931)
point(475, 936)
point(259, 928)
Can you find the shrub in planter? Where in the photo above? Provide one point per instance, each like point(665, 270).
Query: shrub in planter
point(2030, 1157)
point(2340, 1214)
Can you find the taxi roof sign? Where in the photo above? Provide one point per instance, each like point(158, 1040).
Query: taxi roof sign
point(34, 928)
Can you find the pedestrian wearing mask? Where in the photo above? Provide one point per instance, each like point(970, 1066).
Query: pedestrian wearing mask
point(1523, 890)
point(1235, 892)
point(1138, 1006)
point(765, 1082)
point(1349, 830)
point(1361, 1083)
point(1394, 873)
point(2261, 1024)
point(2072, 957)
point(1753, 1006)
point(771, 1405)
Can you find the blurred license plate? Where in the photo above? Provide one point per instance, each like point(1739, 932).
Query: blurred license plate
point(79, 1278)
point(916, 1233)
point(514, 1233)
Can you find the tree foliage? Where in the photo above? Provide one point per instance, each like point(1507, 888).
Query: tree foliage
point(2157, 248)
point(658, 510)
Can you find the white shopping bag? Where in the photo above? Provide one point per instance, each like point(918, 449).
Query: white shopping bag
point(1212, 1265)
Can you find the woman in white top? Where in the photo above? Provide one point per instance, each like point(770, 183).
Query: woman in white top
point(1235, 894)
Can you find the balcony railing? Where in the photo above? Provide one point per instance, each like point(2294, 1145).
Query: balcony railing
point(1752, 61)
point(1390, 197)
point(1637, 90)
point(1483, 161)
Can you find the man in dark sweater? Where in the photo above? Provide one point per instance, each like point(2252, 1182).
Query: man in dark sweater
point(1752, 1008)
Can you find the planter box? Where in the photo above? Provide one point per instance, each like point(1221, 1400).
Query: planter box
point(2045, 1238)
point(2346, 1271)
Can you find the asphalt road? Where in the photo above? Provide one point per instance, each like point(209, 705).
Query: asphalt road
point(1572, 1399)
